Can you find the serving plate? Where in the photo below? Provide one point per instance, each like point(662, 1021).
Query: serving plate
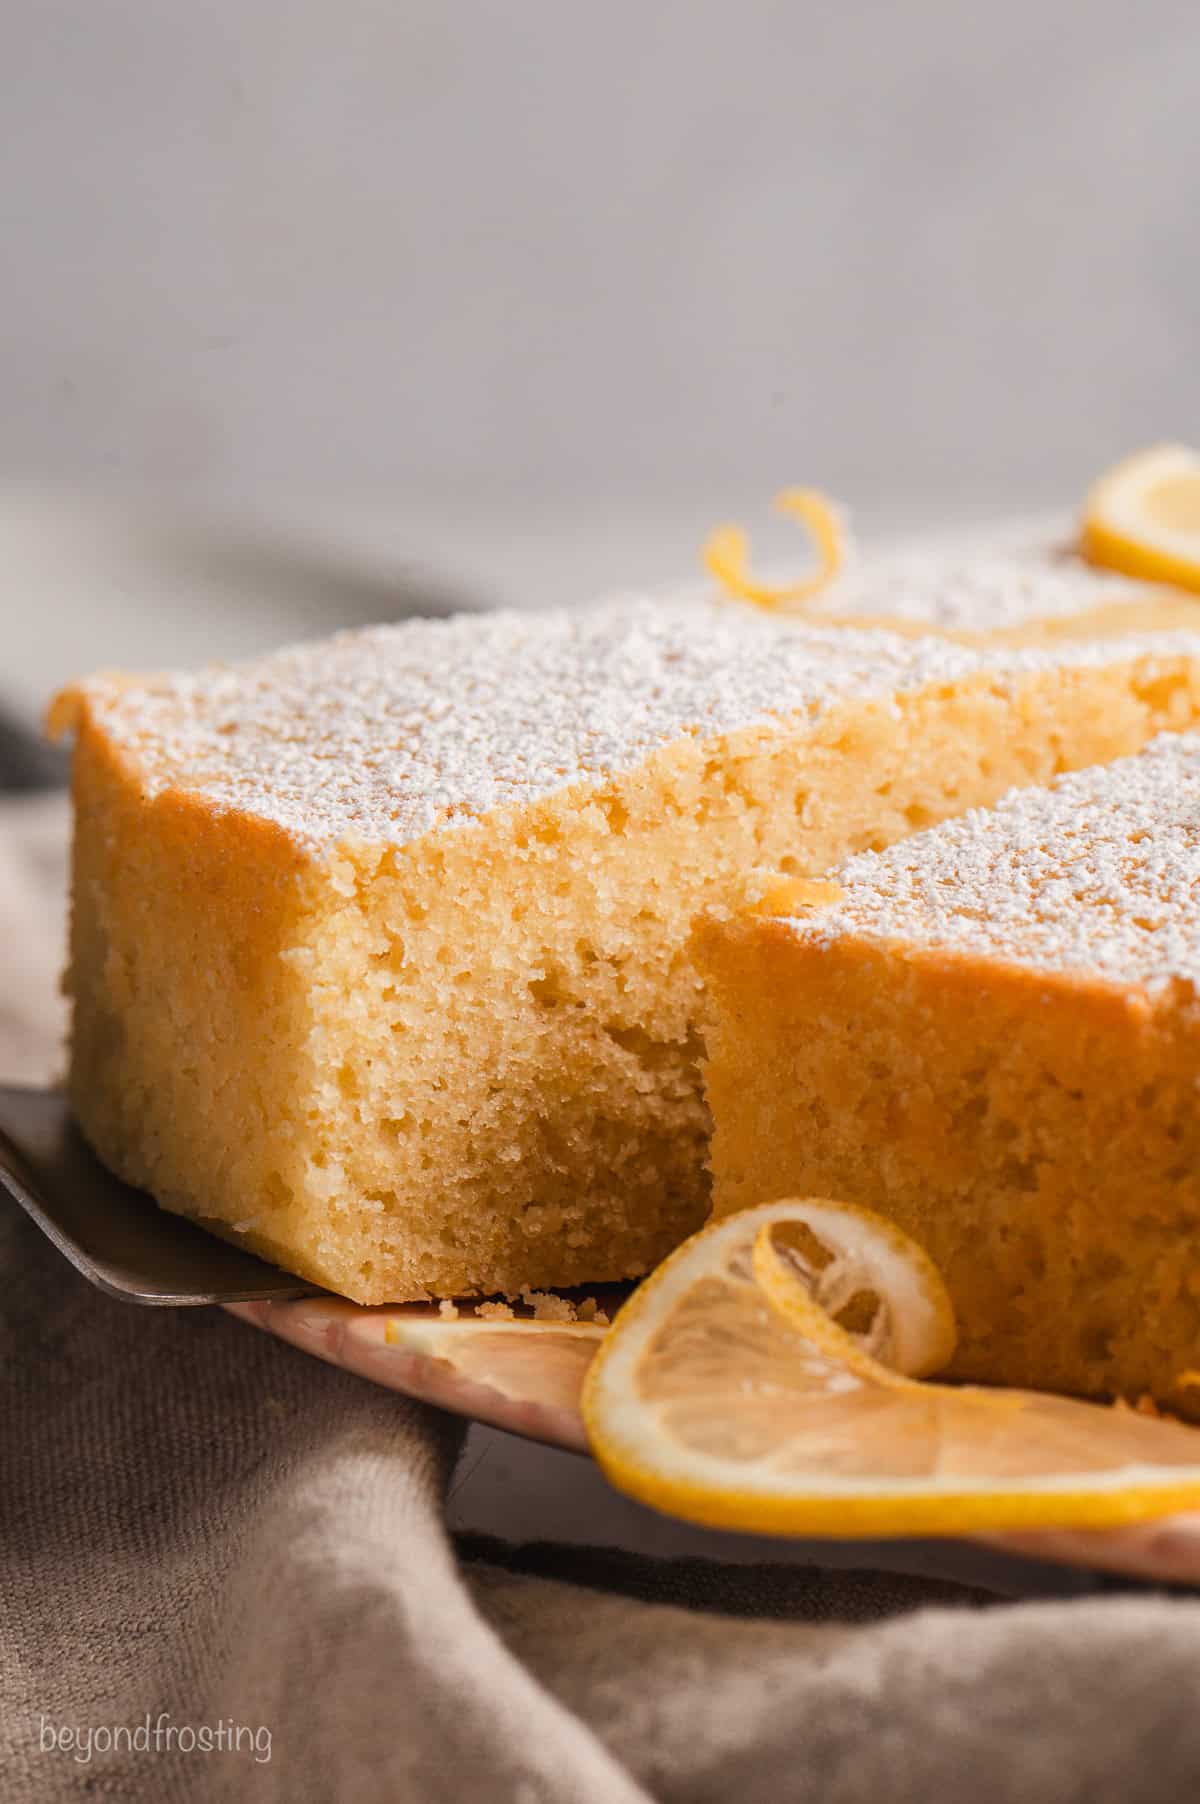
point(522, 1375)
point(526, 1376)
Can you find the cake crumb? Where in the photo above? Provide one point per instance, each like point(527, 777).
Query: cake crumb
point(1144, 1405)
point(590, 1311)
point(448, 1311)
point(494, 1312)
point(546, 1306)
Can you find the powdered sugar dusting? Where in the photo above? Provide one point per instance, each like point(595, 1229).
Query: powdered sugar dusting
point(388, 733)
point(1098, 874)
point(969, 590)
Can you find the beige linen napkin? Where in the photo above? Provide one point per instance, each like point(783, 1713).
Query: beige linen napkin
point(209, 1538)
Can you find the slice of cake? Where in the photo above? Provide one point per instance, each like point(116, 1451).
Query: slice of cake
point(991, 1034)
point(379, 946)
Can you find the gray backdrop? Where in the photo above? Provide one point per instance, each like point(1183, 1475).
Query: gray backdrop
point(525, 252)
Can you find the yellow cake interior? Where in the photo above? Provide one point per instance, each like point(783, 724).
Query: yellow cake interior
point(991, 1035)
point(462, 1055)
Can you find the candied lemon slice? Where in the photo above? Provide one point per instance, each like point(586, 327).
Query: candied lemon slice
point(766, 1378)
point(727, 549)
point(1143, 517)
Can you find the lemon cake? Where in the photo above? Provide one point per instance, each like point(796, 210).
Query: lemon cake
point(1019, 588)
point(379, 946)
point(991, 1034)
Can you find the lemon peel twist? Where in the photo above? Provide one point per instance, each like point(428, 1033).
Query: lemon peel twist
point(725, 552)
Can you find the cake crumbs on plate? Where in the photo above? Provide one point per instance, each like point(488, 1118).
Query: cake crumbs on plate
point(546, 1306)
point(495, 1312)
point(543, 1306)
point(590, 1311)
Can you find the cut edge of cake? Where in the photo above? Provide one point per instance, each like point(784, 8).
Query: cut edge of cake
point(467, 1061)
point(991, 1034)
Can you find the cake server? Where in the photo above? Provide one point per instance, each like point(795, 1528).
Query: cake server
point(123, 1243)
point(118, 1237)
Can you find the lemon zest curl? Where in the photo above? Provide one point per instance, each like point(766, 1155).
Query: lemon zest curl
point(726, 550)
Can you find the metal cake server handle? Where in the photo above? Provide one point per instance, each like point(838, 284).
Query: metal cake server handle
point(118, 1237)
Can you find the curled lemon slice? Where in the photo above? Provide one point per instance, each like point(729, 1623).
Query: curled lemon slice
point(766, 1378)
point(1143, 517)
point(726, 551)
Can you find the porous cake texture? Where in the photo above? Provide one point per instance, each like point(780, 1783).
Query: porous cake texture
point(992, 1035)
point(379, 949)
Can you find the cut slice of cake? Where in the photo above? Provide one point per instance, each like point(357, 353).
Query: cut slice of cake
point(379, 946)
point(991, 1034)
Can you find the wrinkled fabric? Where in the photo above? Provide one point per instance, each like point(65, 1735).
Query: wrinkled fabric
point(203, 1528)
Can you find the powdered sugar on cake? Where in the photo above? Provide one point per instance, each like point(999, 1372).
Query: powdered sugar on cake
point(387, 733)
point(392, 731)
point(1098, 875)
point(969, 590)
